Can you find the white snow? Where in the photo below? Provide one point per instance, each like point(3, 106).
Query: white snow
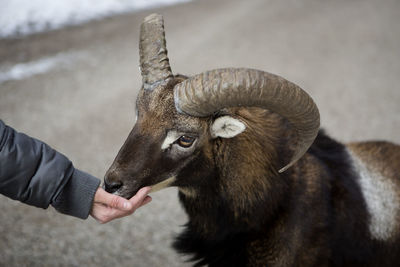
point(25, 70)
point(21, 17)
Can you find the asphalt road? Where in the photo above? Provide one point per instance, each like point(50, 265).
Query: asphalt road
point(344, 53)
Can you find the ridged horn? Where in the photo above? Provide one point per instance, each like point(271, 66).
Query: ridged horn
point(154, 62)
point(208, 92)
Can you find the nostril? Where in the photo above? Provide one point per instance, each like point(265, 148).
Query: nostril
point(112, 187)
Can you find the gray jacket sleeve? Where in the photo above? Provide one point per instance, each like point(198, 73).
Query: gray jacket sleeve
point(34, 173)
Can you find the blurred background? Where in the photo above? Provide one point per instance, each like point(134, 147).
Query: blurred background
point(69, 76)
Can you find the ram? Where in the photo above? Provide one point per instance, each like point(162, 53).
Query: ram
point(261, 184)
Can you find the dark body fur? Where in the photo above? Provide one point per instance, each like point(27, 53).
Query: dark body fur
point(317, 217)
point(241, 211)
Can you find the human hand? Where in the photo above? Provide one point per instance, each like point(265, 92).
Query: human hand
point(107, 207)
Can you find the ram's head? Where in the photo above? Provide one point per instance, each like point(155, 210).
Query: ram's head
point(181, 120)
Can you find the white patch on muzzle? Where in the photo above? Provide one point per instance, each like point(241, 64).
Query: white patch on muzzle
point(382, 201)
point(163, 184)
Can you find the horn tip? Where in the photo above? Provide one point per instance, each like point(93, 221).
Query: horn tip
point(285, 168)
point(153, 16)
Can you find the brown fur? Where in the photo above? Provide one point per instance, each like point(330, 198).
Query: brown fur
point(241, 210)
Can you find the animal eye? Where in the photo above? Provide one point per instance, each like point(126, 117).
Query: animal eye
point(185, 141)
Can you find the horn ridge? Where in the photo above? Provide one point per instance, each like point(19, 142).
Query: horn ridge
point(154, 62)
point(206, 93)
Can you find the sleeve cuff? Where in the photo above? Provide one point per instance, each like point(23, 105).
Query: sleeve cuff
point(77, 196)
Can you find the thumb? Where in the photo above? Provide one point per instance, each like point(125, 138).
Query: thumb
point(111, 200)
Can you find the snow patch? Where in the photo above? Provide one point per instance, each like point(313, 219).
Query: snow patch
point(25, 70)
point(22, 17)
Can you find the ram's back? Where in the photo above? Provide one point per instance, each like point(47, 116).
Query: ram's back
point(378, 167)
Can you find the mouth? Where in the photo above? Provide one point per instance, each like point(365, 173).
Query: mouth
point(126, 193)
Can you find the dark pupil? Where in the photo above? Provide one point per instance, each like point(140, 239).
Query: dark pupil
point(186, 141)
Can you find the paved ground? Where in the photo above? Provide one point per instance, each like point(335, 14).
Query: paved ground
point(344, 53)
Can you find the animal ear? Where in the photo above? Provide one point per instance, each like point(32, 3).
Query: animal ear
point(227, 127)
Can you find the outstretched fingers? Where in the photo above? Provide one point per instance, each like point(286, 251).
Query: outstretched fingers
point(110, 200)
point(107, 207)
point(141, 198)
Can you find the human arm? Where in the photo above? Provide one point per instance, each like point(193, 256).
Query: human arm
point(34, 173)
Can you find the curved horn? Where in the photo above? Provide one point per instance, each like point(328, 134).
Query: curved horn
point(206, 93)
point(154, 63)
